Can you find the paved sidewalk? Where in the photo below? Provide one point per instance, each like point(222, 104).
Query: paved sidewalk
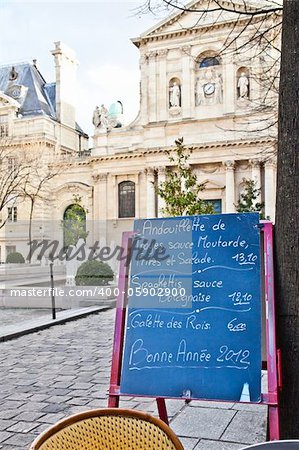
point(52, 373)
point(13, 331)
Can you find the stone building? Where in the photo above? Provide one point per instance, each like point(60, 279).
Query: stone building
point(193, 89)
point(190, 88)
point(37, 125)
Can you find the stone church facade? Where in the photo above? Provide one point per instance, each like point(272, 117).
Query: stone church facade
point(189, 88)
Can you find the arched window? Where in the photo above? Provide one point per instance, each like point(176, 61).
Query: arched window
point(208, 88)
point(209, 61)
point(126, 199)
point(74, 224)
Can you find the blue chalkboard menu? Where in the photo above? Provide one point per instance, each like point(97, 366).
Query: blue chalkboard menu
point(194, 309)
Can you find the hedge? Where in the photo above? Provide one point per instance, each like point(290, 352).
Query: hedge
point(94, 273)
point(15, 258)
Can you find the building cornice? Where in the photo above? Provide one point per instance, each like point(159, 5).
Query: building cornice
point(28, 141)
point(161, 150)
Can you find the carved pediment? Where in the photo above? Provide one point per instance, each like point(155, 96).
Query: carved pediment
point(189, 18)
point(211, 184)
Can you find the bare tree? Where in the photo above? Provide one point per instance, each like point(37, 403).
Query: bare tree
point(24, 176)
point(244, 8)
point(14, 176)
point(34, 189)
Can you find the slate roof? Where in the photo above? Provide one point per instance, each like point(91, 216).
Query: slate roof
point(39, 96)
point(37, 101)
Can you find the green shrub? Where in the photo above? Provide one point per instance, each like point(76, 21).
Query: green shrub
point(94, 273)
point(15, 258)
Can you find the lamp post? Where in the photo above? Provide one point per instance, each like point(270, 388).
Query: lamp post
point(52, 289)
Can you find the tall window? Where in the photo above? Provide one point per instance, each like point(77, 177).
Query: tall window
point(126, 199)
point(3, 125)
point(12, 214)
point(12, 167)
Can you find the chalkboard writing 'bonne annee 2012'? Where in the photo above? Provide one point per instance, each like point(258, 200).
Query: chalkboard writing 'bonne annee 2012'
point(194, 319)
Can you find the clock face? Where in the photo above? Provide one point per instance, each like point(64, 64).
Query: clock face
point(14, 91)
point(209, 88)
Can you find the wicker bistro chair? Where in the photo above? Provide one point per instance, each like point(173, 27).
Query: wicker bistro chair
point(108, 429)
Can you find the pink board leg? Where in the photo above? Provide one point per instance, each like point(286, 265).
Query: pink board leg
point(162, 410)
point(272, 396)
point(113, 401)
point(273, 419)
point(119, 328)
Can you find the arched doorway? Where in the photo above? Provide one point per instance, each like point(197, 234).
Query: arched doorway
point(74, 224)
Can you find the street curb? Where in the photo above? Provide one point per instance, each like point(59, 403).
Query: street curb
point(44, 324)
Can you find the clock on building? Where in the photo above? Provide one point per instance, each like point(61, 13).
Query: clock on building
point(209, 88)
point(14, 91)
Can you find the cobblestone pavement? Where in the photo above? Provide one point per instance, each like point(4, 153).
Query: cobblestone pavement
point(50, 374)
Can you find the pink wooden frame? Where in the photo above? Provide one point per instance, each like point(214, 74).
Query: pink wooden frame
point(273, 361)
point(119, 327)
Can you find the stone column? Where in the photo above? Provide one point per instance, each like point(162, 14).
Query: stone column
point(161, 179)
point(113, 211)
point(152, 87)
point(186, 81)
point(150, 192)
point(137, 195)
point(229, 84)
point(256, 176)
point(143, 64)
point(162, 98)
point(100, 206)
point(230, 186)
point(192, 86)
point(270, 189)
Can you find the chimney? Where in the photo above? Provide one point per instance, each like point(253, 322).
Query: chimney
point(66, 68)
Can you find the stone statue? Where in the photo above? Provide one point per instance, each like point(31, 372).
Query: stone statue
point(199, 92)
point(104, 123)
point(96, 117)
point(243, 85)
point(174, 95)
point(100, 117)
point(219, 89)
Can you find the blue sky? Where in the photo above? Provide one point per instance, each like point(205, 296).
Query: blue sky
point(98, 31)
